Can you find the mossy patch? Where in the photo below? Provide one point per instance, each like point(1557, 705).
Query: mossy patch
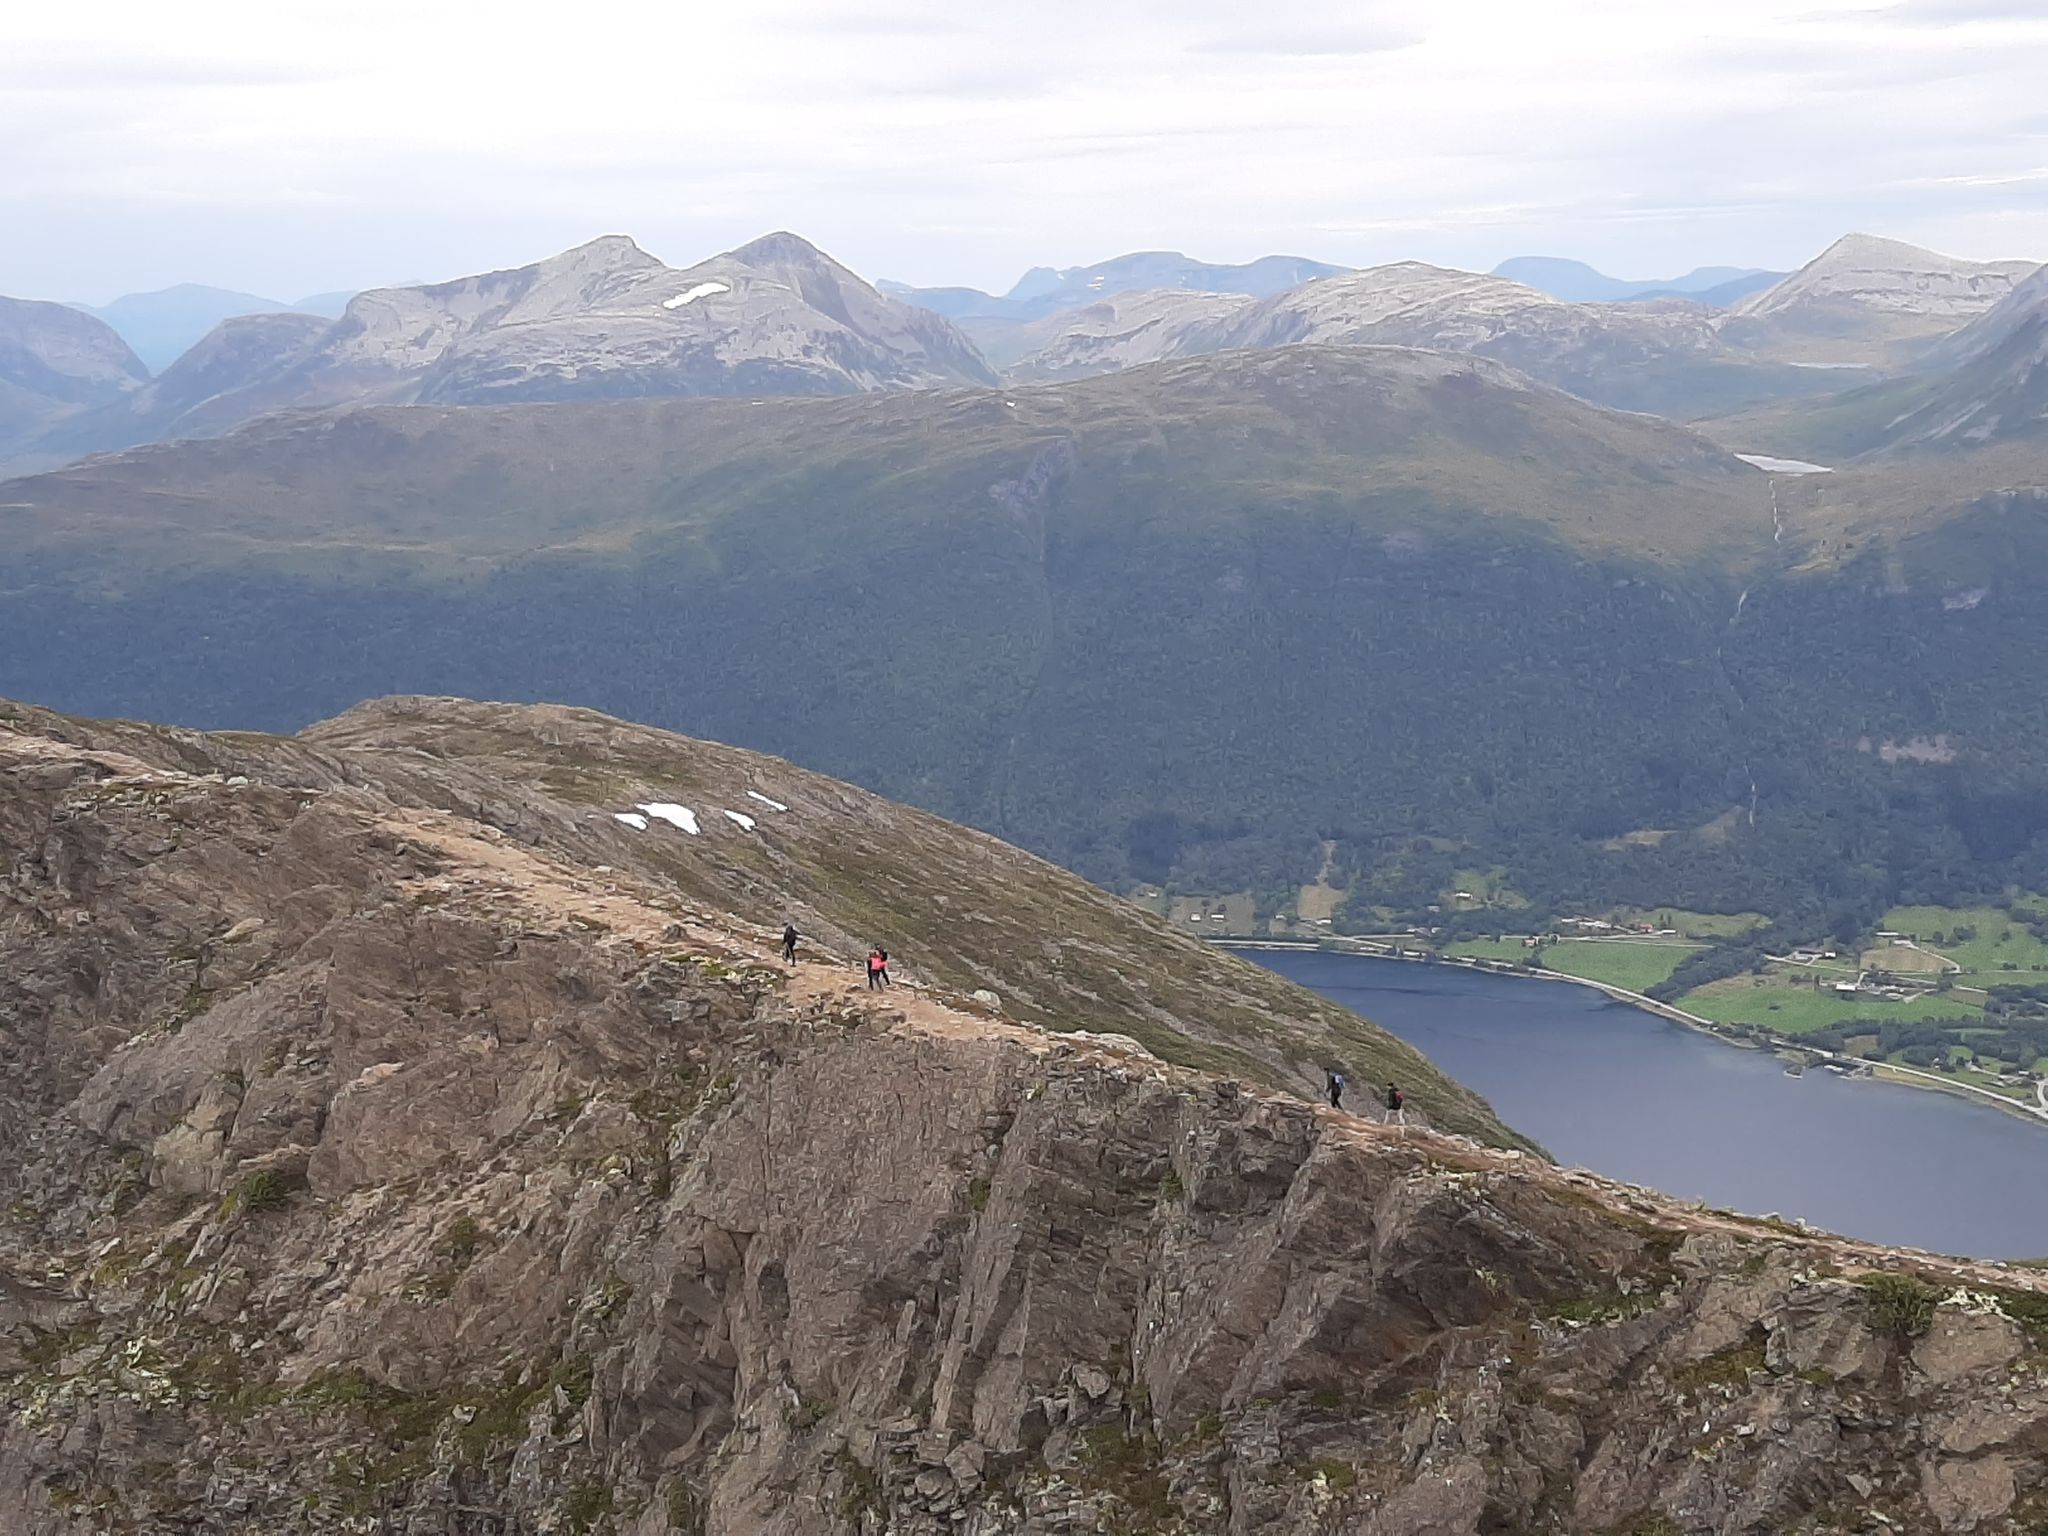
point(1127, 1467)
point(585, 1507)
point(1900, 1304)
point(267, 1189)
point(1730, 1367)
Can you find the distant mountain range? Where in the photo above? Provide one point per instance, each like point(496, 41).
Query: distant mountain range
point(162, 326)
point(778, 316)
point(606, 319)
point(1861, 308)
point(1578, 283)
point(1044, 290)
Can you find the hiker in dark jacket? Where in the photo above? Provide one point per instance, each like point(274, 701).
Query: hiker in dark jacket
point(1337, 1086)
point(1397, 1112)
point(789, 938)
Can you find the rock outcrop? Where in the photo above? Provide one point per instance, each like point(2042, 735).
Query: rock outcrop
point(375, 1158)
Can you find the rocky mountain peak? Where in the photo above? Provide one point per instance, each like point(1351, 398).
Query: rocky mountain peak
point(780, 248)
point(1876, 273)
point(607, 253)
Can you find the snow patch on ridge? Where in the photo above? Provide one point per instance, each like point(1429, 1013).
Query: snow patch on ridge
point(1774, 466)
point(773, 805)
point(744, 821)
point(692, 294)
point(675, 815)
point(632, 819)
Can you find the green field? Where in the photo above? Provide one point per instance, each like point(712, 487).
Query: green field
point(1792, 1006)
point(1988, 1081)
point(1510, 949)
point(1634, 965)
point(1694, 925)
point(2002, 952)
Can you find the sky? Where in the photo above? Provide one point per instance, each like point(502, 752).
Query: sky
point(291, 149)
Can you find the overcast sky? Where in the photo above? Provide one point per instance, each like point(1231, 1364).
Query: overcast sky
point(288, 149)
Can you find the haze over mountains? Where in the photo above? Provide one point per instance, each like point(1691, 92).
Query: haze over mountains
point(1563, 278)
point(1042, 290)
point(162, 326)
point(1336, 537)
point(779, 316)
point(1324, 573)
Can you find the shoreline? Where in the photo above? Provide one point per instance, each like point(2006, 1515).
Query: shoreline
point(1909, 1077)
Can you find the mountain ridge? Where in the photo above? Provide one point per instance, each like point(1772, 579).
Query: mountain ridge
point(1044, 290)
point(164, 324)
point(601, 319)
point(505, 1187)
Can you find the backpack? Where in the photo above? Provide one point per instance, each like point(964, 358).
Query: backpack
point(1395, 1098)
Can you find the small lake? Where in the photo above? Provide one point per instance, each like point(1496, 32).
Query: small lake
point(1625, 1093)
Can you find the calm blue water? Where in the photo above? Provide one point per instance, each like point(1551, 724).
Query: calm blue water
point(1625, 1093)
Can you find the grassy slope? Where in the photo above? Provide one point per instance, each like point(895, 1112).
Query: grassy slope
point(1347, 599)
point(1635, 966)
point(453, 489)
point(1791, 1004)
point(1829, 429)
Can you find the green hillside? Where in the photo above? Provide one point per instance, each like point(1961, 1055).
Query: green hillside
point(1201, 625)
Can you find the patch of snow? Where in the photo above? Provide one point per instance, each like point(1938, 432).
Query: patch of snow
point(1774, 466)
point(773, 805)
point(632, 819)
point(692, 294)
point(745, 821)
point(675, 815)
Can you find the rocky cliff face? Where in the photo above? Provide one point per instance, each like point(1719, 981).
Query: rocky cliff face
point(371, 1161)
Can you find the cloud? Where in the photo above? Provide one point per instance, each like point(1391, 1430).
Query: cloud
point(1334, 41)
point(281, 149)
point(98, 73)
point(1961, 13)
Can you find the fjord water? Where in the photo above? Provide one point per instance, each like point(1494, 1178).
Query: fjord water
point(1620, 1091)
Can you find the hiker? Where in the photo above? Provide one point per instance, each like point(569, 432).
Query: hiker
point(885, 966)
point(1397, 1114)
point(1337, 1086)
point(789, 937)
point(877, 973)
